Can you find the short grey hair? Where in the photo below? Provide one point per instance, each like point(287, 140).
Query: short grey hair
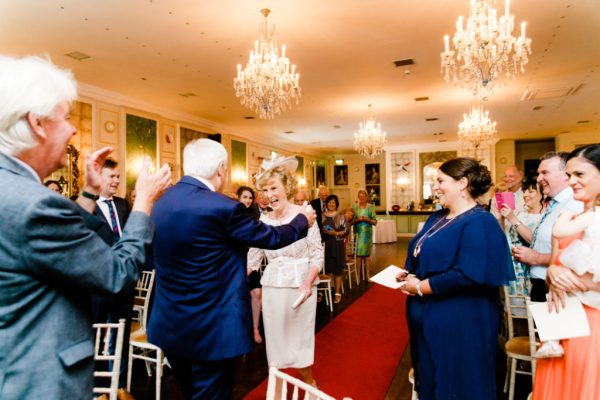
point(561, 155)
point(29, 85)
point(202, 157)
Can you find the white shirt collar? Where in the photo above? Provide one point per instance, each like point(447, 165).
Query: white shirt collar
point(566, 194)
point(26, 166)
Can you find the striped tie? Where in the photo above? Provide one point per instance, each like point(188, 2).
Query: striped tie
point(546, 213)
point(113, 219)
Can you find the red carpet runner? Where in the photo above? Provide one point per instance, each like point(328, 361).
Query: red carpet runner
point(357, 353)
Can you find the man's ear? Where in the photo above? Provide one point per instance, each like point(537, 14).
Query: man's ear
point(35, 123)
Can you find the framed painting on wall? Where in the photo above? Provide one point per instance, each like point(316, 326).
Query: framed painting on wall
point(372, 174)
point(141, 141)
point(340, 175)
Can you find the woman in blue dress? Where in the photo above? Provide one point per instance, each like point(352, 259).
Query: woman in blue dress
point(456, 263)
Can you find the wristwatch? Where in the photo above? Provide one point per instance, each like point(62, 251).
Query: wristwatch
point(516, 225)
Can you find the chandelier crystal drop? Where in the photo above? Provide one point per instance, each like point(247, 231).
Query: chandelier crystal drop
point(370, 139)
point(476, 128)
point(268, 83)
point(487, 49)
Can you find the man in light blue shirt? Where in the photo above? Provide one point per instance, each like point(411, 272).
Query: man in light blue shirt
point(554, 183)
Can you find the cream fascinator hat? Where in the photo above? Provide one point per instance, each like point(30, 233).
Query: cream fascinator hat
point(288, 163)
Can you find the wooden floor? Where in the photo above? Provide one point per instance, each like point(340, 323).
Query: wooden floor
point(251, 369)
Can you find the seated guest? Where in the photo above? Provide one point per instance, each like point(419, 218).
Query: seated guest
point(335, 231)
point(457, 263)
point(51, 259)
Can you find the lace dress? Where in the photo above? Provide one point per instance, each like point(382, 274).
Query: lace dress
point(289, 333)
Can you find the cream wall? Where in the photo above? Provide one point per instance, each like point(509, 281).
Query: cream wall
point(505, 156)
point(568, 141)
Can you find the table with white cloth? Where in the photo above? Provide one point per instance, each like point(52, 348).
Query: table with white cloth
point(385, 231)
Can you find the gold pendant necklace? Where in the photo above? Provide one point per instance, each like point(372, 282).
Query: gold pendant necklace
point(417, 248)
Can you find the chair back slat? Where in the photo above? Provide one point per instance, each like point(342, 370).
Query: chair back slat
point(279, 381)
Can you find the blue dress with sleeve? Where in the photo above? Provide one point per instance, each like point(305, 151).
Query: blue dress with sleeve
point(453, 331)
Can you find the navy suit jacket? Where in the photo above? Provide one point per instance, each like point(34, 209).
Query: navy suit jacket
point(201, 307)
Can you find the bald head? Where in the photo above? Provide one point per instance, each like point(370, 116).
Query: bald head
point(512, 178)
point(300, 197)
point(323, 193)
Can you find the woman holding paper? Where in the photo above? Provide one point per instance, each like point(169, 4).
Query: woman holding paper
point(575, 375)
point(290, 278)
point(457, 263)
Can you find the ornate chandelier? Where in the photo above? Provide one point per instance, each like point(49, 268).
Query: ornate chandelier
point(487, 49)
point(267, 84)
point(476, 128)
point(369, 140)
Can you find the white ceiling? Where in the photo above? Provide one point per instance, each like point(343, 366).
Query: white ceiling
point(344, 51)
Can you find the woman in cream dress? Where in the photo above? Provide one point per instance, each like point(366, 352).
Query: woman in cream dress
point(291, 272)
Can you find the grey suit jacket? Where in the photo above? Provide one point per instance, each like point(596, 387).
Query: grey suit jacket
point(50, 264)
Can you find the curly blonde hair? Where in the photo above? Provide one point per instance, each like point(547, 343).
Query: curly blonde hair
point(287, 178)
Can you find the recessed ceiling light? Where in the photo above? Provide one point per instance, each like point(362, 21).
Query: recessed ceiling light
point(431, 119)
point(424, 98)
point(288, 132)
point(188, 94)
point(250, 117)
point(337, 126)
point(537, 108)
point(79, 56)
point(438, 133)
point(565, 132)
point(584, 121)
point(144, 79)
point(442, 140)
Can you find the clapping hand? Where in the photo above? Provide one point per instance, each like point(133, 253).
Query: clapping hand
point(93, 169)
point(150, 186)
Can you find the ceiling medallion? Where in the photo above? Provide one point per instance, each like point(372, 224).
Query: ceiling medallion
point(268, 83)
point(370, 139)
point(486, 48)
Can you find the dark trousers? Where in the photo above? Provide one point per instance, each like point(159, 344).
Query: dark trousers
point(201, 380)
point(538, 290)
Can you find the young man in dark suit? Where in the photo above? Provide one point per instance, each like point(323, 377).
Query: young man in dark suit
point(114, 211)
point(319, 205)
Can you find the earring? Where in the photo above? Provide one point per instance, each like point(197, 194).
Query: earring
point(462, 194)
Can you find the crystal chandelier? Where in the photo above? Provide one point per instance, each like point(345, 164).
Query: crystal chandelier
point(369, 140)
point(487, 49)
point(476, 128)
point(268, 83)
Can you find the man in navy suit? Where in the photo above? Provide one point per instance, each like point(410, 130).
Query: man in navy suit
point(201, 316)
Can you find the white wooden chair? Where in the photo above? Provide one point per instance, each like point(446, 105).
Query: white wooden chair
point(141, 303)
point(139, 347)
point(277, 388)
point(103, 353)
point(325, 287)
point(351, 259)
point(518, 347)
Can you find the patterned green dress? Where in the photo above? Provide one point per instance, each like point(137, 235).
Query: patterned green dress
point(364, 230)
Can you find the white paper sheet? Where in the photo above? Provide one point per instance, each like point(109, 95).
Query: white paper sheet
point(387, 277)
point(570, 322)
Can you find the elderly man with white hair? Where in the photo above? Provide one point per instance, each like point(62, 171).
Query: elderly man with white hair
point(201, 316)
point(51, 260)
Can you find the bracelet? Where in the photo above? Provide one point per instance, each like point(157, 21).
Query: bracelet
point(418, 287)
point(90, 196)
point(518, 224)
